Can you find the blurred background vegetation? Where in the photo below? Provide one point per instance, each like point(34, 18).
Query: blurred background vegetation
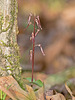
point(57, 37)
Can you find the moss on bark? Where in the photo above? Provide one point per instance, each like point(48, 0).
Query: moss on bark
point(9, 50)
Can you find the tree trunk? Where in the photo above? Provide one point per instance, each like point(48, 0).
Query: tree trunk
point(9, 51)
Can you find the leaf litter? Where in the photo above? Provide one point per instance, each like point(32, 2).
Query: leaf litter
point(12, 89)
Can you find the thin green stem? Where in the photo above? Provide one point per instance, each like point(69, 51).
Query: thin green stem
point(1, 94)
point(4, 96)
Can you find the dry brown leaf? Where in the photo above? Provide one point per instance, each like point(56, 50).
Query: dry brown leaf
point(31, 94)
point(14, 91)
point(70, 92)
point(40, 94)
point(58, 96)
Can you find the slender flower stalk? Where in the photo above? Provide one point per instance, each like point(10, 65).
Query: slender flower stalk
point(32, 38)
point(33, 42)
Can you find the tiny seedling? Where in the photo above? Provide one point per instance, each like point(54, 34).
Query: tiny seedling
point(36, 22)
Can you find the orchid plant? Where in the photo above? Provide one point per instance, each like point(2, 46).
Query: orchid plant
point(36, 21)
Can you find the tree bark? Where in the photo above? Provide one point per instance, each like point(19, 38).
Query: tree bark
point(9, 51)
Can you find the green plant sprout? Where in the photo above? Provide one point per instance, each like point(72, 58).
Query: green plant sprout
point(36, 21)
point(3, 95)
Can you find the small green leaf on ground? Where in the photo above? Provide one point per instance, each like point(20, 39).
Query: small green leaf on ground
point(38, 82)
